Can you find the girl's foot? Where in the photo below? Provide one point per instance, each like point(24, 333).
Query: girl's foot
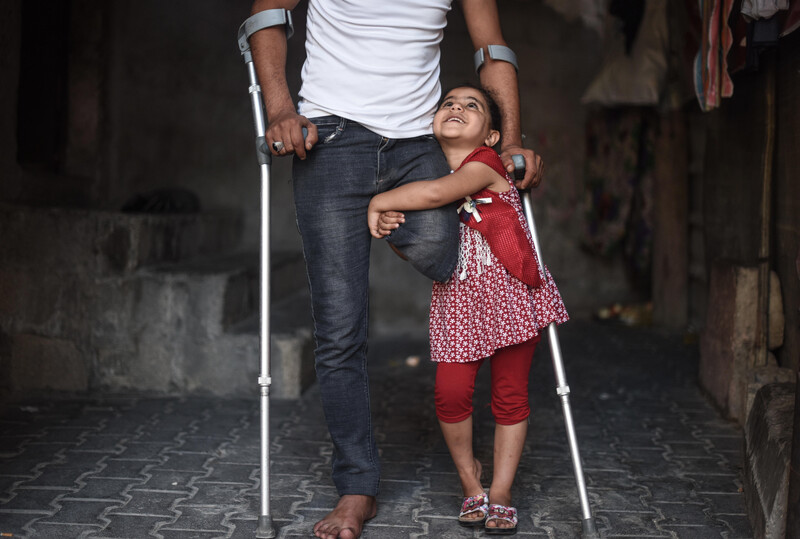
point(501, 520)
point(476, 503)
point(474, 510)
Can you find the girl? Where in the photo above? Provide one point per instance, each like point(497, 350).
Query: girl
point(493, 305)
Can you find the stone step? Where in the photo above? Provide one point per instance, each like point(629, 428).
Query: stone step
point(167, 328)
point(198, 326)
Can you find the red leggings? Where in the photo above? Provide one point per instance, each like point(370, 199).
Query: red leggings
point(455, 385)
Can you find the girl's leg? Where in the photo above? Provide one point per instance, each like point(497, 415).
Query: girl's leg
point(455, 384)
point(510, 372)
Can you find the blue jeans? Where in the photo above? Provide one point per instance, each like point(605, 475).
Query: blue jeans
point(332, 188)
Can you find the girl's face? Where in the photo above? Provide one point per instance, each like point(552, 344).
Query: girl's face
point(464, 117)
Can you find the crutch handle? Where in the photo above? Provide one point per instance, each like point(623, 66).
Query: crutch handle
point(519, 166)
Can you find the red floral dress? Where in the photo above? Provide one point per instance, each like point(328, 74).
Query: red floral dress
point(482, 307)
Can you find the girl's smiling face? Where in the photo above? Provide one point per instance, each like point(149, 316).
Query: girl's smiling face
point(464, 117)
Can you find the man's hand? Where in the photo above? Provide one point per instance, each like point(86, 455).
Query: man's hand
point(288, 129)
point(534, 166)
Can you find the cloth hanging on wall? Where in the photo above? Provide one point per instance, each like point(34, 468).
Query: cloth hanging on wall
point(712, 80)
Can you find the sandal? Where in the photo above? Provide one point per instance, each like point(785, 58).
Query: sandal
point(498, 513)
point(472, 505)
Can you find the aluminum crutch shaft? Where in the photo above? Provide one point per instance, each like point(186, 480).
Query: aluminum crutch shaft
point(562, 389)
point(259, 21)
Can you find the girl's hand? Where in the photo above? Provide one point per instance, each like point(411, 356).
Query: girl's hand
point(382, 223)
point(389, 221)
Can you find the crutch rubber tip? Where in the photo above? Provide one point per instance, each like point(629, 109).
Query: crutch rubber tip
point(589, 531)
point(265, 528)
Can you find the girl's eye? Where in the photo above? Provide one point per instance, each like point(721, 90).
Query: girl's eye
point(473, 105)
point(446, 104)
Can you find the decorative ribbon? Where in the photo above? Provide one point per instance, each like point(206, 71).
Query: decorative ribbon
point(470, 206)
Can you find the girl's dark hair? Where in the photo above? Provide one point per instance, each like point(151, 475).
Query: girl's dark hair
point(494, 109)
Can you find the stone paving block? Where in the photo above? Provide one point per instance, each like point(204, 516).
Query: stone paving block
point(48, 530)
point(7, 483)
point(562, 508)
point(632, 524)
point(668, 489)
point(44, 451)
point(687, 449)
point(695, 465)
point(400, 452)
point(102, 443)
point(715, 482)
point(42, 501)
point(185, 461)
point(301, 448)
point(136, 450)
point(57, 475)
point(159, 436)
point(150, 503)
point(237, 453)
point(444, 482)
point(621, 500)
point(81, 512)
point(447, 528)
point(533, 465)
point(169, 533)
point(697, 532)
point(87, 461)
point(20, 466)
point(739, 526)
point(157, 479)
point(400, 490)
point(228, 473)
point(211, 494)
point(121, 468)
point(683, 512)
point(554, 529)
point(731, 503)
point(106, 488)
point(128, 527)
point(288, 483)
point(208, 445)
point(198, 519)
point(15, 523)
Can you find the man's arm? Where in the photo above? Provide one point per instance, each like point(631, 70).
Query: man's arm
point(269, 56)
point(500, 78)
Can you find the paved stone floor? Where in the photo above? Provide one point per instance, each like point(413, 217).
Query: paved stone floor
point(658, 459)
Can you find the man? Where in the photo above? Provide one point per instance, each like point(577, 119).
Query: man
point(370, 87)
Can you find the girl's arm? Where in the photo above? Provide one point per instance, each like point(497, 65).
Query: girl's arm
point(424, 195)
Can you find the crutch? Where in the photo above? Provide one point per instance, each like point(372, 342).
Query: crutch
point(259, 21)
point(562, 389)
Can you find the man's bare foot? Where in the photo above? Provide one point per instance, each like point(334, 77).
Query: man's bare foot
point(348, 517)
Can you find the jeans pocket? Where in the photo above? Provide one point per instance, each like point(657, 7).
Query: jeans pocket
point(328, 131)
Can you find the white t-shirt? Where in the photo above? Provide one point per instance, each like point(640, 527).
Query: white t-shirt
point(375, 62)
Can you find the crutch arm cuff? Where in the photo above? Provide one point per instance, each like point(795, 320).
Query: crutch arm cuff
point(261, 20)
point(496, 52)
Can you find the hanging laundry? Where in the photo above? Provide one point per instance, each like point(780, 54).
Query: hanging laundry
point(763, 9)
point(712, 80)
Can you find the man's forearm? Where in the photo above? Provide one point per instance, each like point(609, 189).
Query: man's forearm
point(500, 78)
point(483, 23)
point(269, 56)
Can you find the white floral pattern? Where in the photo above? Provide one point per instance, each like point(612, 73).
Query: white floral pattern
point(488, 308)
